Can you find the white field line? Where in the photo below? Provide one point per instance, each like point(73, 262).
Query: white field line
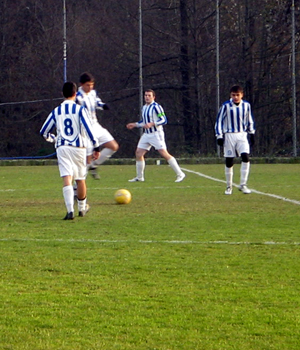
point(106, 241)
point(253, 191)
point(121, 241)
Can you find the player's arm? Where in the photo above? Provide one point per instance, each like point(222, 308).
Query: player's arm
point(219, 123)
point(219, 127)
point(96, 153)
point(47, 127)
point(86, 123)
point(100, 104)
point(161, 118)
point(139, 124)
point(251, 126)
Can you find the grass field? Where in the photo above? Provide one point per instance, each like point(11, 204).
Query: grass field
point(182, 267)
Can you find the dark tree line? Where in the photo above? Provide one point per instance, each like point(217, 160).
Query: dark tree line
point(179, 63)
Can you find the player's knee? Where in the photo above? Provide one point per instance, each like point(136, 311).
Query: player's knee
point(115, 147)
point(245, 157)
point(229, 162)
point(139, 153)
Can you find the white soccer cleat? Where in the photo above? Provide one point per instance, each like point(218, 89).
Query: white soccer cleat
point(180, 177)
point(244, 189)
point(228, 190)
point(82, 213)
point(136, 179)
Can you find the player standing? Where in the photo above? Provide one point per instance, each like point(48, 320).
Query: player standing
point(153, 119)
point(87, 97)
point(234, 123)
point(73, 127)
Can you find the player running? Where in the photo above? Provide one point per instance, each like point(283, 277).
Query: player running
point(153, 119)
point(87, 97)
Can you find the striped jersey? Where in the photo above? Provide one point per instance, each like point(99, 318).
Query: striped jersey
point(73, 125)
point(91, 101)
point(234, 118)
point(153, 113)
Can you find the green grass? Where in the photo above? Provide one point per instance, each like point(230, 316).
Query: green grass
point(182, 267)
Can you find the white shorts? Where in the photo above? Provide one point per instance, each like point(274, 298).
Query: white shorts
point(236, 144)
point(72, 161)
point(102, 135)
point(156, 140)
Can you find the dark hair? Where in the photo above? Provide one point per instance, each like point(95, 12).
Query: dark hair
point(236, 88)
point(85, 77)
point(69, 89)
point(150, 90)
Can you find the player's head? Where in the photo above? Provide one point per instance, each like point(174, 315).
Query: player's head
point(236, 88)
point(69, 89)
point(236, 93)
point(87, 82)
point(85, 77)
point(149, 96)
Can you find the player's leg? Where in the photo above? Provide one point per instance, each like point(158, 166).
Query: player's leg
point(83, 207)
point(180, 175)
point(109, 149)
point(142, 148)
point(139, 164)
point(157, 140)
point(64, 156)
point(68, 195)
point(243, 150)
point(110, 146)
point(91, 168)
point(245, 170)
point(89, 158)
point(229, 174)
point(80, 175)
point(229, 153)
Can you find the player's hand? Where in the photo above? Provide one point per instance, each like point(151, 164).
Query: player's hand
point(251, 140)
point(96, 155)
point(130, 126)
point(148, 125)
point(105, 107)
point(220, 142)
point(51, 138)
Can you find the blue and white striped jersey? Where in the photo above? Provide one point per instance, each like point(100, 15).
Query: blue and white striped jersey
point(91, 101)
point(153, 113)
point(232, 118)
point(73, 125)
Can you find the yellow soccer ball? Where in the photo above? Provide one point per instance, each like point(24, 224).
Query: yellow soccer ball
point(123, 196)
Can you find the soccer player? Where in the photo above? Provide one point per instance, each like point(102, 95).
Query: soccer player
point(234, 123)
point(73, 128)
point(87, 97)
point(153, 119)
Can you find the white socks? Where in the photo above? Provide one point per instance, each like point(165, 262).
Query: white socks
point(174, 165)
point(244, 172)
point(245, 169)
point(68, 194)
point(105, 154)
point(81, 204)
point(140, 167)
point(228, 176)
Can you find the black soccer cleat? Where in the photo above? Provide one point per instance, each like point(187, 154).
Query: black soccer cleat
point(69, 216)
point(94, 173)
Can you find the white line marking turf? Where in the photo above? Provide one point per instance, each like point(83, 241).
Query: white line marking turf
point(121, 241)
point(103, 241)
point(235, 185)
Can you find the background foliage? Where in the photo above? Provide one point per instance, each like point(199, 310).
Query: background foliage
point(179, 62)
